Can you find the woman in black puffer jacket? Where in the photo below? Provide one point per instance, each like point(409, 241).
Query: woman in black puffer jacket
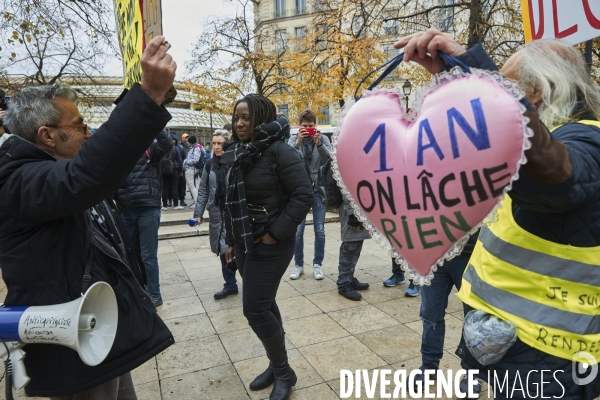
point(268, 194)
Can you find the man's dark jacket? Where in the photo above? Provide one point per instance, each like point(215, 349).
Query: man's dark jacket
point(43, 239)
point(143, 187)
point(180, 150)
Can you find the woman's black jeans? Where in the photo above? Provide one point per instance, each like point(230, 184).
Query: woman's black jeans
point(261, 271)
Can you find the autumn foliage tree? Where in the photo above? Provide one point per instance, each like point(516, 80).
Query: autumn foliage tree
point(42, 42)
point(340, 46)
point(496, 24)
point(349, 38)
point(344, 41)
point(230, 54)
point(218, 97)
point(349, 34)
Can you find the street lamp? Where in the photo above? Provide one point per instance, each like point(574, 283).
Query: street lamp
point(406, 89)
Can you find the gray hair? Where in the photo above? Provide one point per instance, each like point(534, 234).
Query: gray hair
point(558, 71)
point(34, 107)
point(221, 133)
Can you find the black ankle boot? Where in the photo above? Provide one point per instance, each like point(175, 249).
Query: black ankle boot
point(284, 376)
point(285, 379)
point(264, 380)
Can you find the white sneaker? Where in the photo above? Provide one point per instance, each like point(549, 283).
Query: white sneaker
point(164, 208)
point(317, 272)
point(178, 208)
point(297, 272)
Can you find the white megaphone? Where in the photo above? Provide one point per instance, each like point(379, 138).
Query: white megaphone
point(87, 325)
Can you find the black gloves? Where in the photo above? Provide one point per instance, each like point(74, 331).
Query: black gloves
point(354, 222)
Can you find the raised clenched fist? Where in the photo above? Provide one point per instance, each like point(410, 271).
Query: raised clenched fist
point(158, 69)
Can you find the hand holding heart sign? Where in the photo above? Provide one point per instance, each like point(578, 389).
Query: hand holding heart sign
point(425, 184)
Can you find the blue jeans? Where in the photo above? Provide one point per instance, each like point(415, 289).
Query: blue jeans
point(144, 222)
point(434, 301)
point(318, 211)
point(396, 270)
point(230, 281)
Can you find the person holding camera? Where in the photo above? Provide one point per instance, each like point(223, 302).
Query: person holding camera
point(314, 149)
point(59, 235)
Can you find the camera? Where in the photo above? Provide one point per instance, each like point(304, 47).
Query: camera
point(311, 131)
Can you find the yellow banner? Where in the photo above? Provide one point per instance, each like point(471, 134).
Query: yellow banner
point(131, 39)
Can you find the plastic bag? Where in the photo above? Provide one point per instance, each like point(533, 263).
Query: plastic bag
point(487, 337)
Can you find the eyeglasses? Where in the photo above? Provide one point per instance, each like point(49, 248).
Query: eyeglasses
point(83, 126)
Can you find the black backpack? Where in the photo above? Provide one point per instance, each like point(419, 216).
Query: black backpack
point(166, 165)
point(202, 160)
point(331, 195)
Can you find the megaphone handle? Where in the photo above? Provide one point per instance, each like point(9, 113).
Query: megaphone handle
point(20, 377)
point(18, 374)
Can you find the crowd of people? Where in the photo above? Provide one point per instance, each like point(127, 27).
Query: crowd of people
point(78, 209)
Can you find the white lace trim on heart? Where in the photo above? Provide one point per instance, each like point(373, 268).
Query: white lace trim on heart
point(437, 80)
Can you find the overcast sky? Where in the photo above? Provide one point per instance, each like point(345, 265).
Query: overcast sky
point(182, 24)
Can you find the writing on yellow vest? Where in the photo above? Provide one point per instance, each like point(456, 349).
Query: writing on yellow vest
point(549, 290)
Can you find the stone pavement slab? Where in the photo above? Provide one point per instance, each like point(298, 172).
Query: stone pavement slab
point(217, 355)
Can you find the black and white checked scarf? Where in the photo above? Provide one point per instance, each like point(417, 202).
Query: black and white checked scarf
point(240, 157)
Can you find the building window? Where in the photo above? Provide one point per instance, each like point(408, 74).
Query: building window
point(283, 109)
point(300, 36)
point(319, 5)
point(300, 7)
point(486, 8)
point(391, 26)
point(279, 8)
point(279, 88)
point(446, 22)
point(390, 53)
point(322, 67)
point(280, 40)
point(321, 42)
point(325, 120)
point(358, 27)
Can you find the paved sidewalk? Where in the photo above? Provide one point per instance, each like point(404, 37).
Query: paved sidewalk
point(216, 354)
point(174, 224)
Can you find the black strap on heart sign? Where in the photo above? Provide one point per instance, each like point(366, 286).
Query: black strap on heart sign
point(448, 62)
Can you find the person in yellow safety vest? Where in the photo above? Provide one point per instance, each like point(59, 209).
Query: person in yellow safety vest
point(538, 265)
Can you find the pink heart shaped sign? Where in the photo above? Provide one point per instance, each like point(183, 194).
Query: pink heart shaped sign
point(425, 184)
